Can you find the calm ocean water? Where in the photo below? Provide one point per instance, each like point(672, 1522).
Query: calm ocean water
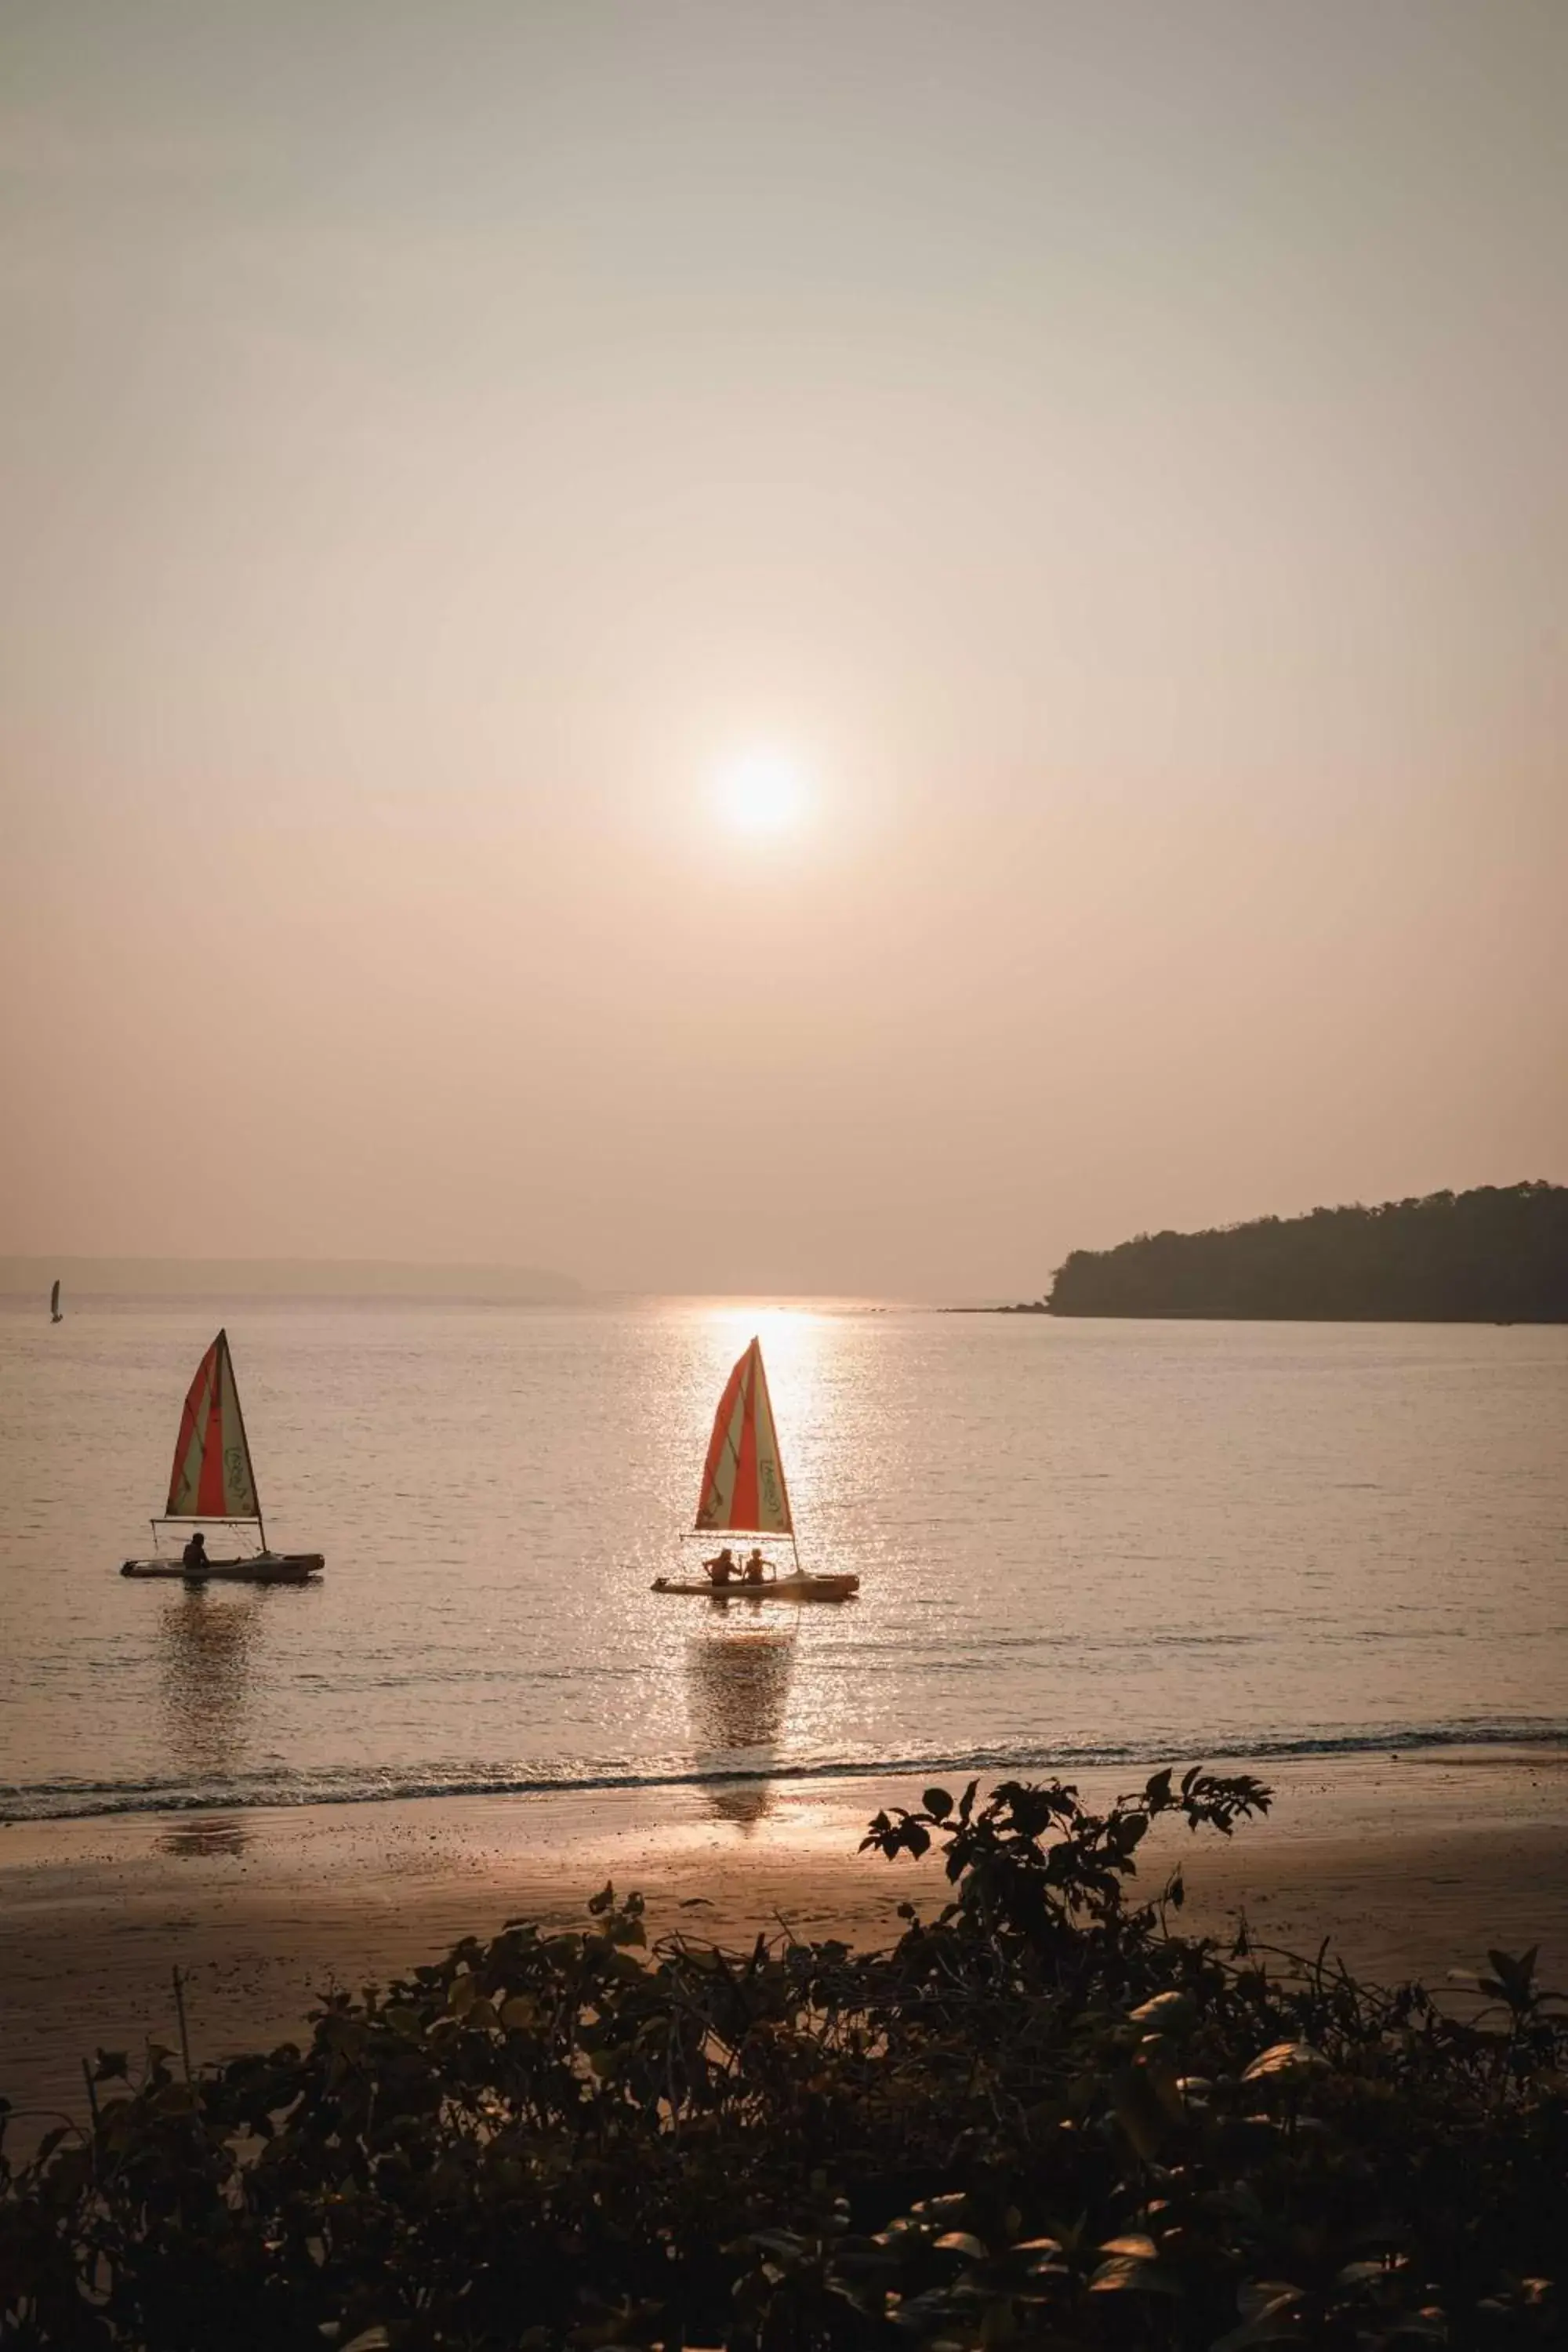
point(1077, 1541)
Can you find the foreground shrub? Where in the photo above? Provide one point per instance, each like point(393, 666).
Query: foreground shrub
point(1043, 2118)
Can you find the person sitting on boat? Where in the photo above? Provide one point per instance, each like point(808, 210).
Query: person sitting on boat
point(756, 1566)
point(722, 1568)
point(196, 1552)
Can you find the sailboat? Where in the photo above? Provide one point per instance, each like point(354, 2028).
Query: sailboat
point(213, 1481)
point(55, 1315)
point(744, 1494)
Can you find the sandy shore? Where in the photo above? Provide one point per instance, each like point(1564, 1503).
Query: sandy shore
point(1412, 1866)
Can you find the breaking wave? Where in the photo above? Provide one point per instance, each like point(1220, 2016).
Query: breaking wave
point(84, 1800)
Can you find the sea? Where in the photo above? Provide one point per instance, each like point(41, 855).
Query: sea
point(1079, 1542)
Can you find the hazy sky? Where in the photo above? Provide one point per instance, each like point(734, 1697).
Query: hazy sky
point(1112, 454)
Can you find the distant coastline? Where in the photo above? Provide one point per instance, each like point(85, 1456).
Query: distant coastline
point(1496, 1255)
point(164, 1278)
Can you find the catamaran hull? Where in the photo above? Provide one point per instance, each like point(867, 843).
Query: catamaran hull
point(263, 1568)
point(777, 1588)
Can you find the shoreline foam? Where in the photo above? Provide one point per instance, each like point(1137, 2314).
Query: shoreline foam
point(41, 1802)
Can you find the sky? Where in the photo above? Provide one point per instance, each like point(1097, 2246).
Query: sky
point(791, 649)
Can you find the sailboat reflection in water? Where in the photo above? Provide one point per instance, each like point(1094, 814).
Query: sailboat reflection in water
point(206, 1645)
point(737, 1693)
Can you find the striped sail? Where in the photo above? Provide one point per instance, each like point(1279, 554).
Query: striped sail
point(744, 1490)
point(212, 1478)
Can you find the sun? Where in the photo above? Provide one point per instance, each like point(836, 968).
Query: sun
point(761, 792)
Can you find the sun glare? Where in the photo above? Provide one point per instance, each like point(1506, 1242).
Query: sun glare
point(759, 792)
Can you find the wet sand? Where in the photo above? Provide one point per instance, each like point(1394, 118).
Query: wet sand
point(1411, 1866)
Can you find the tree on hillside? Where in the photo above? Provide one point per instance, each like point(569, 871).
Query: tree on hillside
point(1495, 1255)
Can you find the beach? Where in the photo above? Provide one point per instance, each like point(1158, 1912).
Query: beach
point(1411, 1865)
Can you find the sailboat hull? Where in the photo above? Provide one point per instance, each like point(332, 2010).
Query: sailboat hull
point(777, 1588)
point(261, 1568)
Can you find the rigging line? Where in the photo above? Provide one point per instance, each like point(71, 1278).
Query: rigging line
point(206, 1519)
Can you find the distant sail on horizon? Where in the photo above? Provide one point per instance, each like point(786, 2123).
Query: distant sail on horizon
point(744, 1490)
point(212, 1477)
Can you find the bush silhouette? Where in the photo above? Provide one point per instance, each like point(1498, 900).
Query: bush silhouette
point(1043, 2118)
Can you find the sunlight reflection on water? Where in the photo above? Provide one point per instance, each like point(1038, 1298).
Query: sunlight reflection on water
point(1074, 1539)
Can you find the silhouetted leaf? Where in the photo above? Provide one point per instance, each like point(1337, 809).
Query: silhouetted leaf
point(1284, 2058)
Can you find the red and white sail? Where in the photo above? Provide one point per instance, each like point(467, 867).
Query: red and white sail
point(744, 1490)
point(212, 1478)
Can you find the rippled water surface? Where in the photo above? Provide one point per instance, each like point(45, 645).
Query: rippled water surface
point(1077, 1539)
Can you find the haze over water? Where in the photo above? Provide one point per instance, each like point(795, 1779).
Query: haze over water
point(1077, 1541)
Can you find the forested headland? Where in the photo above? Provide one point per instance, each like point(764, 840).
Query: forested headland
point(1498, 1255)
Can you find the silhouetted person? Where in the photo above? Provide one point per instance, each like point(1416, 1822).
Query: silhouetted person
point(196, 1552)
point(722, 1568)
point(755, 1565)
